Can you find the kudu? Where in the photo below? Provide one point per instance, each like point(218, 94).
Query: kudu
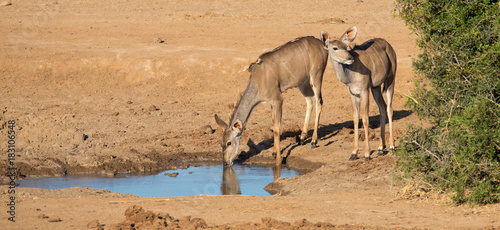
point(298, 63)
point(362, 68)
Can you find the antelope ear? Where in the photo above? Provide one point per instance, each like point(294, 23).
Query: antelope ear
point(238, 126)
point(349, 35)
point(325, 37)
point(220, 122)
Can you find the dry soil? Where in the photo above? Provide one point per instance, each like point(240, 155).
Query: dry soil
point(129, 86)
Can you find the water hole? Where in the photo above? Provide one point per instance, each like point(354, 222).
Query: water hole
point(200, 180)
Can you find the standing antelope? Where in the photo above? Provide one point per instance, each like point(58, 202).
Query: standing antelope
point(298, 63)
point(363, 68)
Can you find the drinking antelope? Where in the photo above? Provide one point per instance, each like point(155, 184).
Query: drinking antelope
point(362, 68)
point(298, 63)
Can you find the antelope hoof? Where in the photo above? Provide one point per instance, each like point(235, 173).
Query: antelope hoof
point(381, 152)
point(368, 158)
point(299, 140)
point(314, 144)
point(353, 157)
point(392, 149)
point(274, 155)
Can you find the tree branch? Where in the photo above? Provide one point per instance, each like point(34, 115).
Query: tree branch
point(426, 150)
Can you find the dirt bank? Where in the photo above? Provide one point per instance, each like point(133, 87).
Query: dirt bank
point(118, 86)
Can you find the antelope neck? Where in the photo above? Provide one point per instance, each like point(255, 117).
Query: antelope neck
point(341, 71)
point(247, 103)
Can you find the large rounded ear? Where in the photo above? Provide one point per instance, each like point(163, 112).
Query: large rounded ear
point(325, 37)
point(237, 126)
point(220, 122)
point(349, 35)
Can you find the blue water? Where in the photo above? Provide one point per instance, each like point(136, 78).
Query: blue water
point(202, 180)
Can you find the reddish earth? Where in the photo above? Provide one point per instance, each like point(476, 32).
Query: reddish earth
point(126, 86)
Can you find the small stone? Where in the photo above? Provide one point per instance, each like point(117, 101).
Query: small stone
point(172, 174)
point(42, 216)
point(198, 223)
point(93, 224)
point(55, 219)
point(207, 129)
point(6, 3)
point(153, 108)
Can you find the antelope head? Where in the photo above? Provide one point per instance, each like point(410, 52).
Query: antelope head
point(338, 48)
point(230, 139)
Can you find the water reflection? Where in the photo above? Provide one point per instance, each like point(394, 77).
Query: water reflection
point(277, 172)
point(230, 184)
point(202, 180)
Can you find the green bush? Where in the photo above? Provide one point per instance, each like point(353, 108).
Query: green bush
point(459, 91)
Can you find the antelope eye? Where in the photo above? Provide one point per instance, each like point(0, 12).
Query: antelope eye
point(335, 48)
point(228, 143)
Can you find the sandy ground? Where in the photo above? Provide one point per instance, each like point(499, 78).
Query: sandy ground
point(127, 86)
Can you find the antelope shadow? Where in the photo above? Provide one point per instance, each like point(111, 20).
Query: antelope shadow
point(325, 133)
